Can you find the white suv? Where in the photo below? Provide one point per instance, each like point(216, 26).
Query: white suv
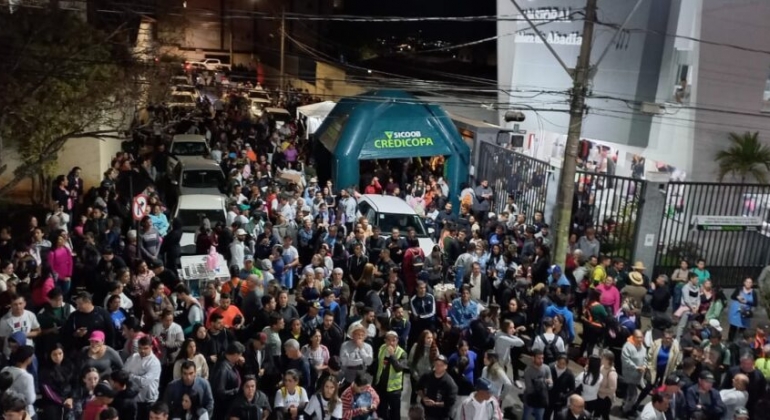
point(388, 212)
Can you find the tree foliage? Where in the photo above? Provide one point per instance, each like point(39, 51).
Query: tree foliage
point(59, 79)
point(746, 157)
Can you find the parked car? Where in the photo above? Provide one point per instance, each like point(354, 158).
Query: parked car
point(280, 115)
point(389, 212)
point(192, 209)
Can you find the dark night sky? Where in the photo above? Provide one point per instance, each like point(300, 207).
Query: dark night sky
point(449, 31)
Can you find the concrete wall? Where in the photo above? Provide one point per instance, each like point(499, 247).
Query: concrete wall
point(730, 79)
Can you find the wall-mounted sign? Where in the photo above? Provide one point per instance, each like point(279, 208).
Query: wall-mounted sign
point(562, 14)
point(727, 223)
point(553, 37)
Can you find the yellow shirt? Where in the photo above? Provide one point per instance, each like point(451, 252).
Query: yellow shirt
point(598, 276)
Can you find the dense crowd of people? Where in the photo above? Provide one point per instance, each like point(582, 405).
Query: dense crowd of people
point(324, 316)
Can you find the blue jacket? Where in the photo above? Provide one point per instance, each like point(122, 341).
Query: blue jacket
point(461, 315)
point(569, 320)
point(402, 328)
point(714, 410)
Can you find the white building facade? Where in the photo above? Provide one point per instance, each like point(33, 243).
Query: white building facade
point(679, 78)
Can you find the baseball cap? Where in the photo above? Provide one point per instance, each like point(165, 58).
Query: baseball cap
point(97, 336)
point(248, 257)
point(555, 269)
point(316, 305)
point(483, 384)
point(104, 390)
point(442, 358)
point(707, 376)
point(240, 232)
point(672, 380)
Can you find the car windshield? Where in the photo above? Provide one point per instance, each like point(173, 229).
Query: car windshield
point(189, 148)
point(258, 95)
point(280, 116)
point(189, 89)
point(203, 179)
point(192, 219)
point(182, 99)
point(388, 221)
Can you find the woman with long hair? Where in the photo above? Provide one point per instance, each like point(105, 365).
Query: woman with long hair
point(325, 404)
point(516, 314)
point(61, 261)
point(55, 382)
point(390, 296)
point(84, 391)
point(190, 352)
point(608, 386)
point(293, 331)
point(99, 355)
point(204, 344)
point(743, 302)
point(464, 350)
point(496, 375)
point(364, 284)
point(588, 383)
point(188, 407)
point(251, 403)
point(420, 360)
point(307, 291)
point(316, 353)
point(42, 284)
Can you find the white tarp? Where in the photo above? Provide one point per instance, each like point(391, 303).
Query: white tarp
point(315, 113)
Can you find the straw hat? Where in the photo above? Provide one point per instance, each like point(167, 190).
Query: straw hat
point(636, 278)
point(639, 266)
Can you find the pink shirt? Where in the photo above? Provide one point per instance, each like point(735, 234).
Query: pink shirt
point(610, 297)
point(61, 261)
point(40, 295)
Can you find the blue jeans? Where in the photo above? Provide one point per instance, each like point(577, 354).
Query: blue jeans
point(65, 286)
point(676, 301)
point(288, 279)
point(538, 413)
point(459, 275)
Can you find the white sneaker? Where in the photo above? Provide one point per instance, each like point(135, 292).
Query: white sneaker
point(519, 384)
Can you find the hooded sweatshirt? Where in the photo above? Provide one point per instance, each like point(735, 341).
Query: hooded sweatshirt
point(23, 384)
point(20, 338)
point(690, 295)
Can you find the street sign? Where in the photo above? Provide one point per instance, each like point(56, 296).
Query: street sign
point(727, 223)
point(139, 207)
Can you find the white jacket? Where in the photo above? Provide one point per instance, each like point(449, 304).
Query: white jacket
point(468, 408)
point(146, 372)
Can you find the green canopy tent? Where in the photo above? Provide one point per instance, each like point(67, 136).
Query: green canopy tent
point(391, 124)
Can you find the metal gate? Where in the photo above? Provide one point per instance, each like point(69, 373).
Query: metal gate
point(512, 173)
point(611, 204)
point(731, 255)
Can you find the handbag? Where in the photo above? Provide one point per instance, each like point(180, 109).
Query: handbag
point(747, 312)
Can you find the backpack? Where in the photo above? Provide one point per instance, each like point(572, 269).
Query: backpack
point(157, 349)
point(235, 293)
point(418, 260)
point(549, 350)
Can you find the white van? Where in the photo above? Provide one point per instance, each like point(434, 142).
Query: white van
point(388, 212)
point(192, 209)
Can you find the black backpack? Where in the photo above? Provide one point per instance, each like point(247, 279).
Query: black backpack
point(550, 352)
point(418, 260)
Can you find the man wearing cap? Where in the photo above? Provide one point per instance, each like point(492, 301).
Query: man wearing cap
point(23, 382)
point(556, 277)
point(84, 321)
point(704, 399)
point(389, 380)
point(437, 391)
point(103, 396)
point(356, 354)
point(480, 404)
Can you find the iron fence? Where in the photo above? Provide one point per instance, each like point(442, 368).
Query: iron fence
point(513, 174)
point(611, 205)
point(734, 246)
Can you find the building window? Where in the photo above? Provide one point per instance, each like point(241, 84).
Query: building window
point(682, 84)
point(766, 95)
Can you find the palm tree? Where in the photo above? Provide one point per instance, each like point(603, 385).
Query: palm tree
point(746, 157)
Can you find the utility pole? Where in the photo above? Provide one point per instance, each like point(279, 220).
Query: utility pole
point(580, 81)
point(283, 45)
